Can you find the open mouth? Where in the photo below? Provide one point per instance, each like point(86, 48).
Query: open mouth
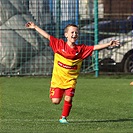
point(74, 37)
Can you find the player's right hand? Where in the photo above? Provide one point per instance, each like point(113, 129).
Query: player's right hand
point(30, 25)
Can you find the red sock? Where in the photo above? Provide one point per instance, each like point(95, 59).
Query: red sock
point(66, 108)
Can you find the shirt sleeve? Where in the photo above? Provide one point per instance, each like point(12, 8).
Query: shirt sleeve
point(87, 51)
point(54, 42)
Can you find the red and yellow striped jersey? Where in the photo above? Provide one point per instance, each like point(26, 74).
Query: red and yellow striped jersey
point(67, 62)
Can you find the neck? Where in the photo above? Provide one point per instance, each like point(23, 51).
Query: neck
point(71, 44)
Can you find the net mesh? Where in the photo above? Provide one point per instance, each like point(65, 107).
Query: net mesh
point(25, 52)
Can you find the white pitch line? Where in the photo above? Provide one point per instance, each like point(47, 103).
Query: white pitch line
point(43, 120)
point(69, 120)
point(27, 120)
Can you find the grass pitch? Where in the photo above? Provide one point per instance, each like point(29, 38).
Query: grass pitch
point(100, 105)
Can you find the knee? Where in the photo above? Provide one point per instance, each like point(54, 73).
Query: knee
point(68, 99)
point(55, 100)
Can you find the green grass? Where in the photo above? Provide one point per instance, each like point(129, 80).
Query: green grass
point(100, 105)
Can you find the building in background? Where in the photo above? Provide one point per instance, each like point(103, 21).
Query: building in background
point(118, 9)
point(86, 9)
point(112, 9)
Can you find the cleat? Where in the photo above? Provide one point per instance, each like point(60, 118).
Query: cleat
point(63, 120)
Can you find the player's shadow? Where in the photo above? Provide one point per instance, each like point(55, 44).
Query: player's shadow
point(108, 120)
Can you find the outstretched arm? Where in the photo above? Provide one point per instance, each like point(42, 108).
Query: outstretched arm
point(110, 44)
point(39, 30)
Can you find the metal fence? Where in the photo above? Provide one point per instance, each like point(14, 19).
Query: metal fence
point(24, 52)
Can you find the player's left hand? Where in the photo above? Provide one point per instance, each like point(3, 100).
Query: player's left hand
point(114, 43)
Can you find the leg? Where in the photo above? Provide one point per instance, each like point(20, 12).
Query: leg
point(67, 106)
point(69, 93)
point(56, 100)
point(56, 95)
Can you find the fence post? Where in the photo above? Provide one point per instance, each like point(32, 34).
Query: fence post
point(96, 35)
point(58, 14)
point(77, 12)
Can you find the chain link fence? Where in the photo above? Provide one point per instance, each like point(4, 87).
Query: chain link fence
point(24, 52)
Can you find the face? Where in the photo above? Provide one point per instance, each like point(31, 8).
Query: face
point(72, 34)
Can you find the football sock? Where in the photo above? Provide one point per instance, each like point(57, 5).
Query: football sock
point(66, 108)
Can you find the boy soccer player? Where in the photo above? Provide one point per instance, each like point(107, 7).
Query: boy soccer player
point(68, 58)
